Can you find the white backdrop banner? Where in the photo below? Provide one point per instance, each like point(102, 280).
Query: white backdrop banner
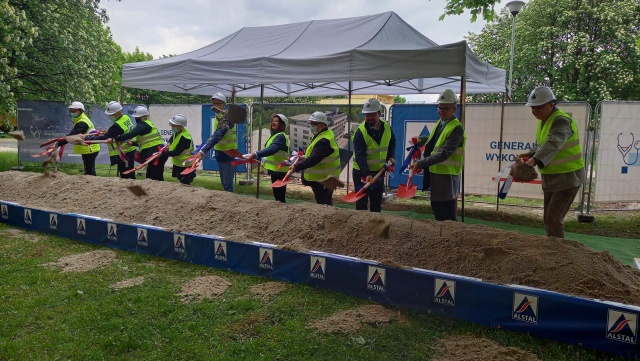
point(617, 173)
point(161, 113)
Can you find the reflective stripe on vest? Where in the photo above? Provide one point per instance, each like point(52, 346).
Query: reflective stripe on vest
point(229, 140)
point(151, 139)
point(85, 149)
point(569, 158)
point(273, 161)
point(376, 153)
point(178, 159)
point(453, 164)
point(327, 166)
point(124, 122)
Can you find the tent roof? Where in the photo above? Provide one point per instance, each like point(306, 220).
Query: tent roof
point(378, 54)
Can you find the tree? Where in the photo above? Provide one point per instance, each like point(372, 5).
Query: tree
point(475, 7)
point(56, 50)
point(584, 50)
point(399, 100)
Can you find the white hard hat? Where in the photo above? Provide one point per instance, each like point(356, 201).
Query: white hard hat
point(282, 118)
point(76, 105)
point(539, 96)
point(178, 119)
point(448, 97)
point(371, 106)
point(319, 117)
point(219, 96)
point(139, 111)
point(113, 107)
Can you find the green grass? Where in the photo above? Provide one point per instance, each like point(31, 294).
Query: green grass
point(49, 315)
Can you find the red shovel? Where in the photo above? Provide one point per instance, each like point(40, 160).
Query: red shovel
point(153, 157)
point(354, 196)
point(283, 182)
point(407, 190)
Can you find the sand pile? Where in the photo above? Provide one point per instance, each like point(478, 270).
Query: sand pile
point(471, 250)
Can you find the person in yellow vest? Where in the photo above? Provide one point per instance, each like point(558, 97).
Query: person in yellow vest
point(322, 159)
point(275, 153)
point(82, 125)
point(180, 148)
point(374, 145)
point(122, 124)
point(443, 159)
point(558, 156)
point(223, 139)
point(146, 136)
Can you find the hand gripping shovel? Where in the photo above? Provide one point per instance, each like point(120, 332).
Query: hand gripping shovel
point(354, 196)
point(153, 157)
point(283, 182)
point(193, 160)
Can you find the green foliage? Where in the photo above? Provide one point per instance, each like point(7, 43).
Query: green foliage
point(399, 100)
point(475, 7)
point(57, 50)
point(583, 50)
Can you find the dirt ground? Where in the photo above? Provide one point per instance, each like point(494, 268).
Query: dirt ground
point(471, 250)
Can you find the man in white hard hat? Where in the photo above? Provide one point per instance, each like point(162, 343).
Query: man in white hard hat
point(275, 154)
point(443, 159)
point(558, 157)
point(322, 159)
point(223, 141)
point(82, 125)
point(122, 124)
point(374, 145)
point(146, 136)
point(180, 148)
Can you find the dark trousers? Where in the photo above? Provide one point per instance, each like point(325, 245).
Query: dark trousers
point(155, 170)
point(184, 179)
point(373, 197)
point(322, 194)
point(89, 162)
point(445, 210)
point(556, 207)
point(279, 193)
point(124, 166)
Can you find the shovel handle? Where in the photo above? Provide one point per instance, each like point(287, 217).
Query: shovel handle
point(151, 159)
point(373, 180)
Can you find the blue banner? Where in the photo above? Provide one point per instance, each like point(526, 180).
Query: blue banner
point(209, 162)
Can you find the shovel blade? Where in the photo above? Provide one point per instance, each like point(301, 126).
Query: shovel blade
point(280, 183)
point(187, 171)
point(407, 192)
point(353, 197)
point(332, 183)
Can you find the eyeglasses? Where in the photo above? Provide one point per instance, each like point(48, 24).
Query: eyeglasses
point(444, 109)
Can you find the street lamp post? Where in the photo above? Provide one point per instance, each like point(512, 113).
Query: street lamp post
point(514, 8)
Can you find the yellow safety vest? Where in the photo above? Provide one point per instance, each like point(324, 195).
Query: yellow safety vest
point(376, 153)
point(178, 159)
point(327, 166)
point(453, 164)
point(151, 139)
point(569, 158)
point(85, 149)
point(273, 161)
point(124, 122)
point(229, 140)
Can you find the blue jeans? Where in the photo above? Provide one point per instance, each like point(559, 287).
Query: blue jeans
point(227, 172)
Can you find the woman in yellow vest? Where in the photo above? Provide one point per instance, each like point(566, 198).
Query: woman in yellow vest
point(558, 157)
point(82, 125)
point(444, 157)
point(275, 153)
point(322, 159)
point(148, 140)
point(180, 148)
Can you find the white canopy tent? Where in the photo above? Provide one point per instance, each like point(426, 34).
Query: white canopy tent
point(376, 54)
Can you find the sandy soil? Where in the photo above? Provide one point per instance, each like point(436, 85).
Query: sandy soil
point(471, 250)
point(350, 321)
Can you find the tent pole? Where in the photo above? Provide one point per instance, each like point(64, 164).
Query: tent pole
point(500, 152)
point(463, 104)
point(259, 137)
point(349, 144)
point(121, 95)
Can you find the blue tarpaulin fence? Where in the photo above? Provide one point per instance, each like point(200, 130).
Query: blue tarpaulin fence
point(606, 326)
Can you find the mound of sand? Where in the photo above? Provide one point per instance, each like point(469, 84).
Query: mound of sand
point(471, 250)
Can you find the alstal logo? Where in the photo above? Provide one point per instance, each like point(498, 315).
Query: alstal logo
point(53, 221)
point(142, 237)
point(377, 279)
point(622, 326)
point(318, 268)
point(266, 258)
point(444, 292)
point(179, 243)
point(4, 211)
point(525, 308)
point(81, 227)
point(27, 216)
point(220, 251)
point(112, 232)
